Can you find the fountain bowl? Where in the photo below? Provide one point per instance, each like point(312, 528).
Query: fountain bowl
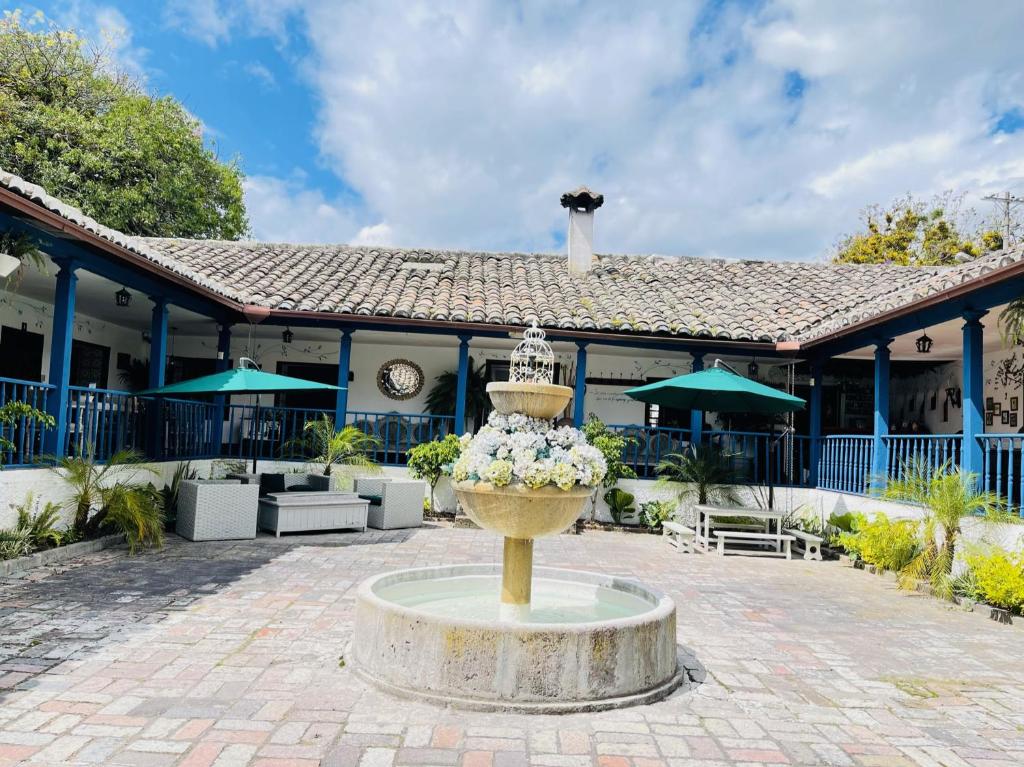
point(591, 641)
point(516, 511)
point(537, 400)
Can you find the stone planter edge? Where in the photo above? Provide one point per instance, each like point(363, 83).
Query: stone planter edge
point(58, 554)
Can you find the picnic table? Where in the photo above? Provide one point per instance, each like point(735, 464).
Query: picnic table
point(707, 512)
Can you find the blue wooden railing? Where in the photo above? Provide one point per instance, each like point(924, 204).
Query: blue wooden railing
point(103, 421)
point(845, 463)
point(281, 431)
point(649, 444)
point(191, 429)
point(1003, 467)
point(927, 452)
point(397, 432)
point(26, 435)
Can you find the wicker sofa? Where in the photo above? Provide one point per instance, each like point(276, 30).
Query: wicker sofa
point(394, 503)
point(217, 510)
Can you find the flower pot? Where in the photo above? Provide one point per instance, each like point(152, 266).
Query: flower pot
point(516, 511)
point(8, 265)
point(536, 400)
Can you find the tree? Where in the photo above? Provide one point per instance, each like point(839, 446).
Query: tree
point(947, 494)
point(112, 490)
point(430, 461)
point(97, 140)
point(911, 233)
point(701, 472)
point(611, 446)
point(325, 445)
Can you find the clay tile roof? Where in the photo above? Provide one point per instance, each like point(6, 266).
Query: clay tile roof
point(764, 301)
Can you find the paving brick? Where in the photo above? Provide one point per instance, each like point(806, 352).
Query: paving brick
point(233, 660)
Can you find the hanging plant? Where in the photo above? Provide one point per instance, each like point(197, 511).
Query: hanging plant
point(20, 247)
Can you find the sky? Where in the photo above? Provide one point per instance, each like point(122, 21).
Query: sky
point(737, 129)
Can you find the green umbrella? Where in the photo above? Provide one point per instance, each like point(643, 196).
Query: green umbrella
point(718, 390)
point(721, 390)
point(245, 379)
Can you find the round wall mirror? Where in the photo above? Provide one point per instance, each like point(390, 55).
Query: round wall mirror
point(400, 379)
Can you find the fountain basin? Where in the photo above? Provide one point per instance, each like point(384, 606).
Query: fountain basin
point(516, 511)
point(537, 400)
point(589, 642)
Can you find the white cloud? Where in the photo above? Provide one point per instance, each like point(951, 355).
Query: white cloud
point(375, 234)
point(261, 73)
point(460, 123)
point(287, 210)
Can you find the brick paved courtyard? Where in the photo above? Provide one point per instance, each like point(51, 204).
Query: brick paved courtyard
point(231, 654)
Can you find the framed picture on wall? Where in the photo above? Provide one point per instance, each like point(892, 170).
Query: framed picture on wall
point(1014, 403)
point(945, 410)
point(997, 407)
point(990, 403)
point(1013, 420)
point(988, 418)
point(1005, 417)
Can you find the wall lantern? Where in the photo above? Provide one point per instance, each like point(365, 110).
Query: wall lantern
point(287, 335)
point(123, 297)
point(954, 395)
point(923, 344)
point(752, 368)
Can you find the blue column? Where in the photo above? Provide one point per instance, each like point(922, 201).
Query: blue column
point(973, 392)
point(579, 411)
point(880, 463)
point(60, 357)
point(344, 365)
point(220, 365)
point(696, 416)
point(460, 390)
point(817, 389)
point(157, 372)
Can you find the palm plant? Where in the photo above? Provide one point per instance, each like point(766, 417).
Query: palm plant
point(441, 397)
point(113, 491)
point(1011, 323)
point(322, 444)
point(703, 472)
point(948, 494)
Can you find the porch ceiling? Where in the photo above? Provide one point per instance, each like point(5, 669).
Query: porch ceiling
point(947, 341)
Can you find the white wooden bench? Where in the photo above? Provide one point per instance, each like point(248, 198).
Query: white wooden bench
point(780, 540)
point(678, 535)
point(807, 543)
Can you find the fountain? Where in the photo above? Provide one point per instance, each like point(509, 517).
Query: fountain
point(518, 637)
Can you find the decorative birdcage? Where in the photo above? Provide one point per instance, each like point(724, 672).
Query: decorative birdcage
point(532, 360)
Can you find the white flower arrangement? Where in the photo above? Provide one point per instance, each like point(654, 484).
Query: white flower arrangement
point(519, 449)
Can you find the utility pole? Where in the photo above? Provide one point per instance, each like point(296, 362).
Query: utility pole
point(1007, 202)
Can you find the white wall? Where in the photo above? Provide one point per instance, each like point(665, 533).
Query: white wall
point(38, 318)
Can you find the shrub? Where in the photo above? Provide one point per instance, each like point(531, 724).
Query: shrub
point(999, 578)
point(431, 460)
point(169, 494)
point(654, 513)
point(14, 543)
point(701, 473)
point(891, 545)
point(40, 524)
point(620, 504)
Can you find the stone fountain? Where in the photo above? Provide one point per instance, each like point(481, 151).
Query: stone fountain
point(518, 637)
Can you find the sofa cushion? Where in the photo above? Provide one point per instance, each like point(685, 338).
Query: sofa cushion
point(271, 483)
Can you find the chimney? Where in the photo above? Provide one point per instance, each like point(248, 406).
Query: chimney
point(581, 204)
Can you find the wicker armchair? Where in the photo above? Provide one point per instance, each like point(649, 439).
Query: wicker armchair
point(217, 510)
point(400, 502)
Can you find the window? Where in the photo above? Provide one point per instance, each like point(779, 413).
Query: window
point(90, 364)
point(310, 371)
point(21, 354)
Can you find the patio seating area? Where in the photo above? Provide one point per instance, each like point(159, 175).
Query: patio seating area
point(235, 652)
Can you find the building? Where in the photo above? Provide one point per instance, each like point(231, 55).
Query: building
point(78, 338)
